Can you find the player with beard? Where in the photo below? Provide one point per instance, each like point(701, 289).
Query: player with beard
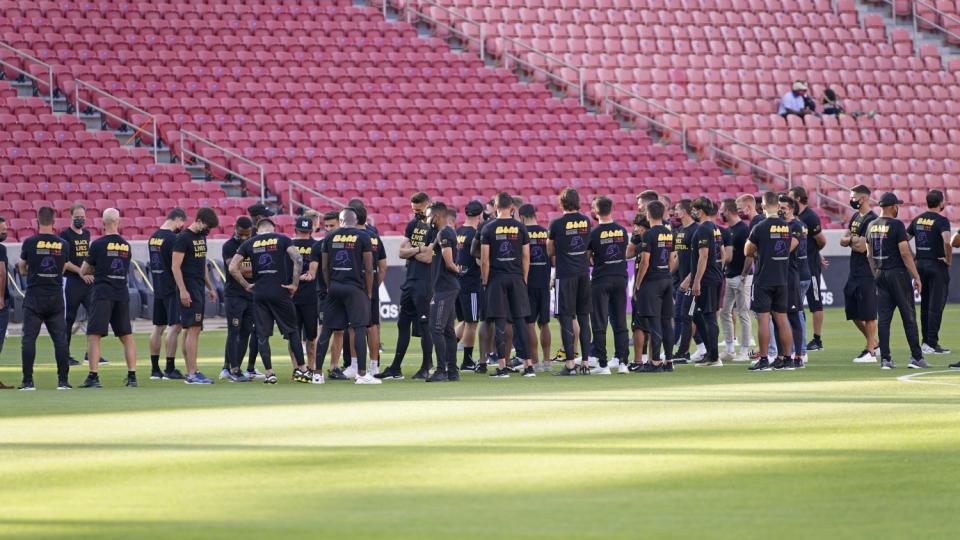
point(166, 305)
point(238, 303)
point(860, 291)
point(815, 262)
point(567, 244)
point(736, 297)
point(931, 233)
point(192, 277)
point(77, 288)
point(538, 290)
point(706, 278)
point(469, 298)
point(682, 238)
point(608, 286)
point(445, 287)
point(653, 290)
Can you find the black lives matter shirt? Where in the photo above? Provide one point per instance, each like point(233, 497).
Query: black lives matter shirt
point(194, 249)
point(470, 278)
point(309, 249)
point(78, 246)
point(539, 275)
point(658, 242)
point(570, 234)
point(420, 235)
point(927, 231)
point(708, 236)
point(160, 247)
point(812, 222)
point(269, 262)
point(858, 225)
point(884, 235)
point(506, 238)
point(231, 288)
point(442, 280)
point(45, 255)
point(608, 244)
point(738, 239)
point(772, 237)
point(345, 248)
point(110, 257)
point(682, 239)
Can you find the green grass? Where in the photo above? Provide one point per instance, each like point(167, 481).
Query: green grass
point(834, 451)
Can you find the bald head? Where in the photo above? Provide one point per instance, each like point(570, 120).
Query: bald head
point(348, 218)
point(111, 220)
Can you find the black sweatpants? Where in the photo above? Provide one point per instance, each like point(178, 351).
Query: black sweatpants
point(894, 291)
point(44, 310)
point(414, 320)
point(443, 311)
point(935, 277)
point(239, 311)
point(609, 299)
point(77, 294)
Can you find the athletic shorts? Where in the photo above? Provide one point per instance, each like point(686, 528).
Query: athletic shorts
point(814, 296)
point(539, 299)
point(109, 314)
point(709, 299)
point(468, 306)
point(166, 310)
point(860, 299)
point(573, 295)
point(654, 299)
point(415, 303)
point(193, 315)
point(507, 298)
point(239, 312)
point(769, 298)
point(277, 309)
point(347, 305)
point(307, 320)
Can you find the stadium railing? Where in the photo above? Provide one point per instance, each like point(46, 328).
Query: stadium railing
point(454, 24)
point(293, 203)
point(569, 75)
point(257, 178)
point(93, 103)
point(825, 186)
point(725, 148)
point(611, 103)
point(38, 80)
point(937, 21)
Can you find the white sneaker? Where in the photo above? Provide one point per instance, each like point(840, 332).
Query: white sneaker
point(698, 355)
point(865, 358)
point(742, 357)
point(255, 374)
point(368, 379)
point(317, 378)
point(726, 356)
point(600, 370)
point(225, 373)
point(351, 372)
point(593, 361)
point(927, 349)
point(374, 368)
point(614, 362)
point(623, 369)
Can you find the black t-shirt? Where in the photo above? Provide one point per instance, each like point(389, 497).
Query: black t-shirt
point(927, 230)
point(658, 242)
point(420, 235)
point(470, 279)
point(379, 252)
point(110, 257)
point(859, 267)
point(772, 238)
point(345, 248)
point(608, 244)
point(160, 246)
point(442, 280)
point(539, 275)
point(231, 287)
point(798, 258)
point(708, 236)
point(321, 245)
point(738, 239)
point(812, 221)
point(268, 261)
point(194, 249)
point(78, 245)
point(3, 259)
point(682, 240)
point(571, 234)
point(309, 249)
point(45, 255)
point(506, 238)
point(885, 235)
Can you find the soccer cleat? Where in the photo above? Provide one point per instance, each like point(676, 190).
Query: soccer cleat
point(390, 373)
point(815, 345)
point(237, 377)
point(317, 378)
point(453, 375)
point(131, 382)
point(500, 373)
point(302, 376)
point(623, 369)
point(173, 375)
point(27, 386)
point(64, 384)
point(761, 365)
point(367, 379)
point(438, 376)
point(529, 372)
point(270, 379)
point(336, 374)
point(156, 375)
point(350, 372)
point(224, 374)
point(73, 362)
point(92, 381)
point(866, 357)
point(940, 350)
point(600, 370)
point(468, 365)
point(198, 378)
point(782, 364)
point(421, 374)
point(481, 369)
point(887, 364)
point(253, 374)
point(918, 363)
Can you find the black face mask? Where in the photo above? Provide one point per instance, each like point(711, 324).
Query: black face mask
point(79, 222)
point(204, 232)
point(781, 214)
point(855, 204)
point(421, 216)
point(434, 225)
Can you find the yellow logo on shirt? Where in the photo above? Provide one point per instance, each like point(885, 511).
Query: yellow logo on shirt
point(304, 250)
point(582, 224)
point(779, 228)
point(156, 242)
point(266, 242)
point(664, 237)
point(44, 244)
point(880, 229)
point(924, 221)
point(505, 229)
point(345, 238)
point(117, 246)
point(538, 235)
point(616, 233)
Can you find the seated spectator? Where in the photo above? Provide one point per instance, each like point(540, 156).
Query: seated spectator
point(797, 102)
point(832, 107)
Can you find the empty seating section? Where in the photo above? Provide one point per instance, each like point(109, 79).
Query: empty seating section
point(724, 63)
point(337, 98)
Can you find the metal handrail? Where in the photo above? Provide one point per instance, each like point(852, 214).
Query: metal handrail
point(419, 11)
point(939, 13)
point(716, 151)
point(508, 55)
point(821, 180)
point(608, 100)
point(26, 73)
point(311, 191)
point(184, 153)
point(137, 129)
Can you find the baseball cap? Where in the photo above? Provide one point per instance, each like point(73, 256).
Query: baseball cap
point(889, 199)
point(303, 224)
point(473, 208)
point(258, 210)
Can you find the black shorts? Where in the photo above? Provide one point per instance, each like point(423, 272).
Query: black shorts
point(415, 303)
point(654, 299)
point(814, 296)
point(192, 315)
point(270, 310)
point(307, 320)
point(573, 295)
point(794, 302)
point(239, 312)
point(166, 310)
point(860, 299)
point(468, 306)
point(709, 299)
point(507, 298)
point(347, 305)
point(107, 314)
point(539, 299)
point(769, 298)
point(375, 307)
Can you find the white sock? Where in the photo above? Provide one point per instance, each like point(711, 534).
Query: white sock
point(730, 348)
point(643, 359)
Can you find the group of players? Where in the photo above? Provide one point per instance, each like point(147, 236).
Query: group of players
point(490, 284)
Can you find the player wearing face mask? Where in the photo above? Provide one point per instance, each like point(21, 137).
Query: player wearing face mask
point(166, 305)
point(860, 291)
point(76, 288)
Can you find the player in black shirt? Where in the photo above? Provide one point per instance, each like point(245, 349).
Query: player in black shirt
point(736, 296)
point(5, 296)
point(238, 302)
point(379, 274)
point(76, 288)
point(682, 244)
point(931, 233)
point(860, 291)
point(331, 220)
point(607, 247)
point(445, 288)
point(504, 268)
point(414, 296)
point(538, 290)
point(166, 305)
point(190, 273)
point(108, 261)
point(42, 258)
point(799, 273)
point(469, 298)
point(815, 262)
point(305, 299)
point(567, 244)
point(706, 278)
point(653, 289)
point(891, 262)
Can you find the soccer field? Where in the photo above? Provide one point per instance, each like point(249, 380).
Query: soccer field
point(833, 451)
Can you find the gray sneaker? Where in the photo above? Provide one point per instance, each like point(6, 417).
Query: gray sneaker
point(918, 363)
point(886, 363)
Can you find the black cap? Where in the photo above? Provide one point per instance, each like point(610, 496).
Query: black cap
point(889, 199)
point(473, 209)
point(303, 224)
point(259, 210)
